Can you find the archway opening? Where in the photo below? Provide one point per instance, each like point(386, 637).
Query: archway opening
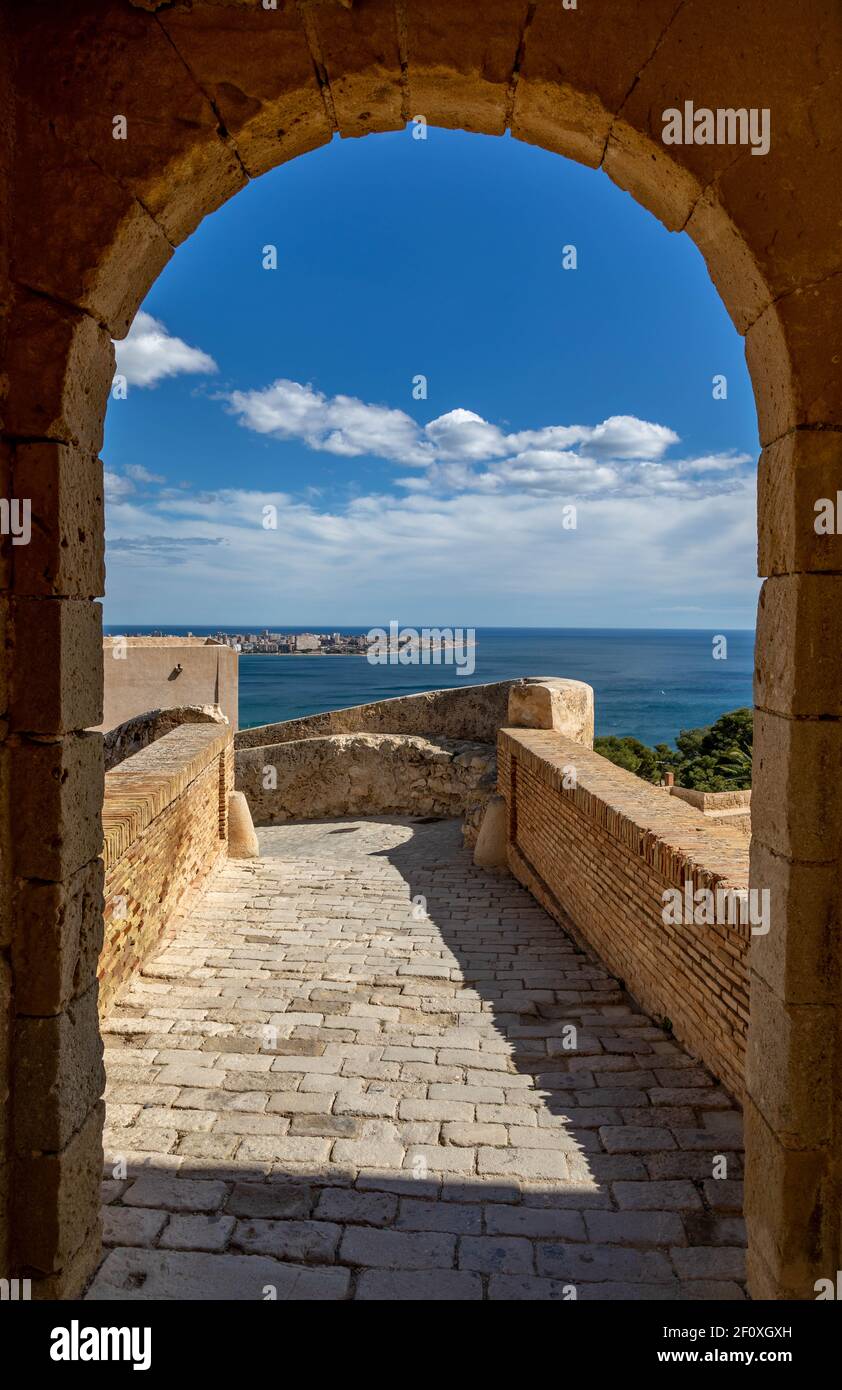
point(271, 96)
point(317, 465)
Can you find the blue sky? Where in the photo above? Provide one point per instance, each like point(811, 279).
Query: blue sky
point(547, 388)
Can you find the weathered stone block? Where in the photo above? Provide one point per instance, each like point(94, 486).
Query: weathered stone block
point(58, 938)
point(362, 63)
point(784, 1213)
point(7, 550)
point(57, 679)
point(362, 774)
point(56, 1208)
point(576, 69)
point(793, 353)
point(794, 474)
point(70, 1281)
point(95, 63)
point(57, 788)
point(795, 806)
point(5, 847)
point(59, 1075)
point(729, 259)
point(460, 71)
point(105, 256)
point(549, 702)
point(767, 195)
point(648, 170)
point(788, 1066)
point(257, 68)
point(798, 957)
point(66, 554)
point(799, 637)
point(60, 364)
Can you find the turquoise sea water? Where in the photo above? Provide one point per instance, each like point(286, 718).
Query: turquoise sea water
point(649, 682)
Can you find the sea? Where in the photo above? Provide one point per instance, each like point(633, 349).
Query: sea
point(649, 683)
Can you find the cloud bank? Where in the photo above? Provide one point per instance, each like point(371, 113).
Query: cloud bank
point(473, 530)
point(460, 451)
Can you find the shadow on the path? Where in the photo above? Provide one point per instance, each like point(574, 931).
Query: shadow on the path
point(587, 1050)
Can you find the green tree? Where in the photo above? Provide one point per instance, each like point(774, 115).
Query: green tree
point(712, 759)
point(630, 753)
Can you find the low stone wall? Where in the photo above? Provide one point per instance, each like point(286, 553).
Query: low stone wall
point(714, 803)
point(364, 775)
point(472, 712)
point(722, 808)
point(165, 823)
point(137, 733)
point(598, 847)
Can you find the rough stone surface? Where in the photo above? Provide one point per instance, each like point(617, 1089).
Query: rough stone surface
point(363, 775)
point(550, 702)
point(482, 1150)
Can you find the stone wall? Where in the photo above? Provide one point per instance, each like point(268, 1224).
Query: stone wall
point(364, 775)
point(598, 847)
point(142, 673)
point(722, 808)
point(164, 820)
point(714, 803)
point(473, 712)
point(137, 733)
point(6, 648)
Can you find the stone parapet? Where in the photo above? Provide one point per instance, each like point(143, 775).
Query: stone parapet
point(473, 712)
point(599, 848)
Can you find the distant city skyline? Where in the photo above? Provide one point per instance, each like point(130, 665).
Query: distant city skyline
point(403, 414)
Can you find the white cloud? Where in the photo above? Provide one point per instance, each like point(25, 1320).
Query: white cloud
point(139, 474)
point(492, 558)
point(461, 435)
point(336, 425)
point(116, 486)
point(121, 485)
point(150, 353)
point(462, 452)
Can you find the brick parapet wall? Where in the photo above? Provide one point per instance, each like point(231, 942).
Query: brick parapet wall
point(598, 848)
point(165, 831)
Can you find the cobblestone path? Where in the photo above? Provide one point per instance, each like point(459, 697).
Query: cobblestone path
point(349, 1074)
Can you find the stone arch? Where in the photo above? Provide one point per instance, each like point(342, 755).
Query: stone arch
point(215, 92)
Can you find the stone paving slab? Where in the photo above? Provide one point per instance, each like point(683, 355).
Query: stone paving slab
point(364, 1068)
